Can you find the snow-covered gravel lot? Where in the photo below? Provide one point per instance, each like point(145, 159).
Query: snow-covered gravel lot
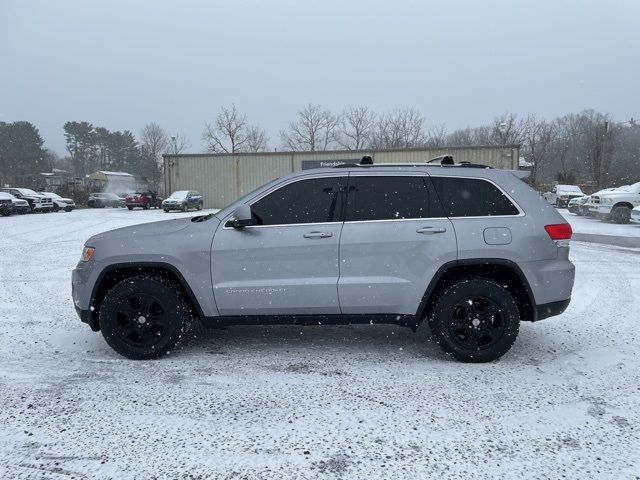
point(598, 227)
point(311, 402)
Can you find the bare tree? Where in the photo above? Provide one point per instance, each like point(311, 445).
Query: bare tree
point(507, 130)
point(228, 133)
point(256, 139)
point(153, 143)
point(436, 136)
point(399, 129)
point(179, 143)
point(314, 129)
point(356, 127)
point(539, 137)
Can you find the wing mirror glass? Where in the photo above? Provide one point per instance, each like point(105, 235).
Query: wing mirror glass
point(242, 216)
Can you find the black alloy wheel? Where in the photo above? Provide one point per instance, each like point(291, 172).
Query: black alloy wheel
point(475, 320)
point(144, 317)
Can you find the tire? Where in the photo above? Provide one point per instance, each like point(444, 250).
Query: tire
point(166, 210)
point(621, 214)
point(56, 208)
point(129, 207)
point(145, 206)
point(557, 203)
point(5, 213)
point(185, 208)
point(126, 313)
point(68, 209)
point(457, 309)
point(200, 206)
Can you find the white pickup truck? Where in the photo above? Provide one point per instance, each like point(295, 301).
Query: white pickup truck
point(617, 204)
point(560, 195)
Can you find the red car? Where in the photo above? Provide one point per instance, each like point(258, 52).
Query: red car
point(145, 200)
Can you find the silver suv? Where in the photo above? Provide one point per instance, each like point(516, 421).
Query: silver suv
point(471, 250)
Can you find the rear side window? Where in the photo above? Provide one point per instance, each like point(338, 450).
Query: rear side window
point(387, 198)
point(315, 200)
point(472, 197)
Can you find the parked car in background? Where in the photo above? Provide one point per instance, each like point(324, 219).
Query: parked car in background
point(104, 199)
point(36, 201)
point(616, 205)
point(60, 203)
point(17, 205)
point(183, 200)
point(586, 208)
point(576, 205)
point(6, 204)
point(560, 195)
point(635, 215)
point(144, 199)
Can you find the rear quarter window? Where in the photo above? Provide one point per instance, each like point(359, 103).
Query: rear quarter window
point(472, 197)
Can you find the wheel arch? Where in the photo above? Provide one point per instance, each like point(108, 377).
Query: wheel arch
point(622, 204)
point(502, 271)
point(115, 273)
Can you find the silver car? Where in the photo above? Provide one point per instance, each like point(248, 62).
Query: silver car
point(472, 251)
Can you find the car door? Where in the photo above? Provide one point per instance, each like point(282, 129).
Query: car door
point(287, 262)
point(394, 239)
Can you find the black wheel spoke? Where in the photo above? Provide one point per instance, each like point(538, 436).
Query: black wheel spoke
point(476, 323)
point(142, 320)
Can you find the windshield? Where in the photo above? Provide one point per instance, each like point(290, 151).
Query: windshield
point(179, 195)
point(569, 188)
point(26, 191)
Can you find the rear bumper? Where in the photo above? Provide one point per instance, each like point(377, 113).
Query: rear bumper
point(551, 309)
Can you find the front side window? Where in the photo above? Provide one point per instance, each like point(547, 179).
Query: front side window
point(387, 198)
point(472, 197)
point(316, 200)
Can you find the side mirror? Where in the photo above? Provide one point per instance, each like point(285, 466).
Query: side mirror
point(242, 217)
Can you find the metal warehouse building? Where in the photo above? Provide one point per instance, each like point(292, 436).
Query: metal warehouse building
point(221, 178)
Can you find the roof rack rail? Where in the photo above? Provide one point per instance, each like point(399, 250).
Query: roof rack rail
point(441, 161)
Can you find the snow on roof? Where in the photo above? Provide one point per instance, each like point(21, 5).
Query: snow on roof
point(522, 162)
point(121, 174)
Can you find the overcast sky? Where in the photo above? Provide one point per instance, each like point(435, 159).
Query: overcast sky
point(121, 64)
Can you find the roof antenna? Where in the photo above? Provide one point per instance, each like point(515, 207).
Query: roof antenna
point(366, 160)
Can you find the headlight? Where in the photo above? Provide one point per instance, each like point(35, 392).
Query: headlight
point(87, 254)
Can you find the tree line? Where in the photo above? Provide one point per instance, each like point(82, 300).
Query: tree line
point(587, 147)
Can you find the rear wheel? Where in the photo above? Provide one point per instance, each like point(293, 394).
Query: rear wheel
point(621, 214)
point(200, 206)
point(475, 320)
point(144, 317)
point(185, 207)
point(56, 207)
point(129, 207)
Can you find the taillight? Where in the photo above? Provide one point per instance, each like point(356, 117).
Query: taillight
point(560, 231)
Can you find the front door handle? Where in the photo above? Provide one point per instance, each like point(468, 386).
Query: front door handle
point(431, 230)
point(318, 235)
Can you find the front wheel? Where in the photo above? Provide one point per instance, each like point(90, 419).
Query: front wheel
point(475, 320)
point(200, 206)
point(144, 317)
point(621, 214)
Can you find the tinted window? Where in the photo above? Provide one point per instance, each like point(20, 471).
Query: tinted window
point(384, 198)
point(306, 201)
point(470, 197)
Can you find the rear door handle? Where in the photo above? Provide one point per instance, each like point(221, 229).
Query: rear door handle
point(318, 235)
point(431, 230)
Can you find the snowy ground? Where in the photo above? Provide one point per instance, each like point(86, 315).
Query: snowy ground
point(314, 402)
point(596, 226)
